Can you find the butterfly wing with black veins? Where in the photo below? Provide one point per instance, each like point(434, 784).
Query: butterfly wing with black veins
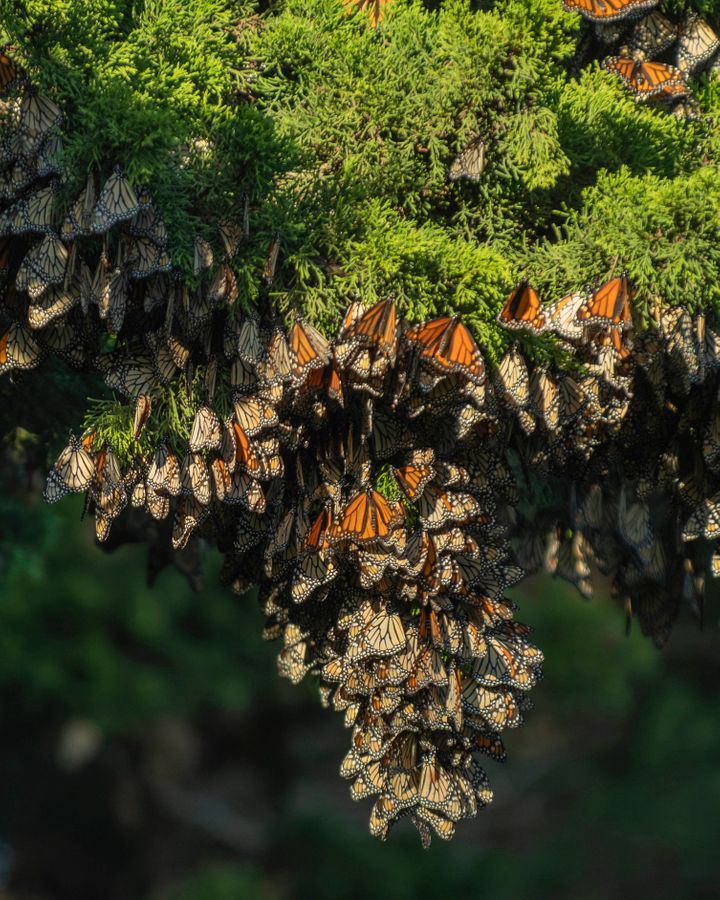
point(116, 203)
point(697, 44)
point(19, 349)
point(573, 563)
point(608, 10)
point(652, 35)
point(470, 162)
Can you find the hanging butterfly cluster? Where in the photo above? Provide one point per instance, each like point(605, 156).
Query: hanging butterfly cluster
point(69, 270)
point(346, 484)
point(655, 54)
point(336, 476)
point(629, 443)
point(362, 483)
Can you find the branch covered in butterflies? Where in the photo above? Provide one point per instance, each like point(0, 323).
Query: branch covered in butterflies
point(368, 484)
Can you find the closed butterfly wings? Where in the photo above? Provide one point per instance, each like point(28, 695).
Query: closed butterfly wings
point(608, 10)
point(522, 309)
point(697, 44)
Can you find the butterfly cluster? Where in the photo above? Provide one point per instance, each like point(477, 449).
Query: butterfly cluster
point(346, 483)
point(629, 443)
point(655, 54)
point(367, 484)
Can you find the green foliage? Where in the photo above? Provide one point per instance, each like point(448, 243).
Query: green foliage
point(158, 88)
point(663, 231)
point(102, 645)
point(342, 137)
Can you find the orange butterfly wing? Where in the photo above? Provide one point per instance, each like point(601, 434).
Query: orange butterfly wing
point(610, 303)
point(245, 456)
point(367, 517)
point(462, 352)
point(430, 335)
point(413, 479)
point(605, 10)
point(646, 79)
point(522, 308)
point(378, 325)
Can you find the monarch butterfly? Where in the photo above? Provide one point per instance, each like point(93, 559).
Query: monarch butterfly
point(202, 255)
point(205, 433)
point(245, 456)
point(36, 213)
point(437, 792)
point(107, 485)
point(443, 828)
point(698, 42)
point(73, 472)
point(189, 516)
point(117, 202)
point(254, 415)
point(414, 479)
point(377, 328)
point(308, 350)
point(676, 326)
point(271, 258)
point(647, 79)
point(704, 522)
point(66, 342)
point(271, 463)
point(195, 478)
point(437, 507)
point(604, 10)
point(146, 258)
point(634, 522)
point(383, 635)
point(278, 357)
point(522, 309)
point(374, 9)
point(221, 478)
point(129, 375)
point(711, 440)
point(292, 659)
point(653, 34)
point(148, 224)
point(573, 563)
point(53, 304)
point(388, 436)
point(447, 346)
point(246, 491)
point(43, 266)
point(545, 398)
point(115, 301)
point(312, 571)
point(38, 115)
point(609, 304)
point(163, 360)
point(502, 665)
point(18, 349)
point(249, 346)
point(143, 406)
point(77, 223)
point(223, 286)
point(49, 156)
point(470, 162)
point(8, 73)
point(368, 517)
point(562, 315)
point(573, 399)
point(512, 376)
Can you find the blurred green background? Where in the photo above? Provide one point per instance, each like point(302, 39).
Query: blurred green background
point(150, 752)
